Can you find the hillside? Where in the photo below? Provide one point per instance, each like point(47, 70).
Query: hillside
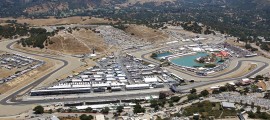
point(145, 33)
point(16, 8)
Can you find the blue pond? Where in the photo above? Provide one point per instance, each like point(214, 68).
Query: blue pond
point(189, 60)
point(160, 55)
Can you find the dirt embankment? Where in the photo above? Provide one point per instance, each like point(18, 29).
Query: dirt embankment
point(146, 33)
point(78, 42)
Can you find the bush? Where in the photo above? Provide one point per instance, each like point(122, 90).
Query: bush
point(192, 91)
point(119, 109)
point(153, 55)
point(204, 93)
point(89, 109)
point(192, 96)
point(105, 110)
point(162, 95)
point(138, 109)
point(175, 99)
point(251, 114)
point(210, 65)
point(38, 110)
point(85, 117)
point(215, 91)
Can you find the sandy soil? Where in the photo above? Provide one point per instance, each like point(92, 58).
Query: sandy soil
point(54, 21)
point(5, 72)
point(146, 33)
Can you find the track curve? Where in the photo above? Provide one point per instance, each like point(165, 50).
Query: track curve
point(35, 83)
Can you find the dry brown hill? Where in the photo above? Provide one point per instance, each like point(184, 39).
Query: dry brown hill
point(146, 33)
point(79, 42)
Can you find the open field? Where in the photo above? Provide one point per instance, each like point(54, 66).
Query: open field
point(67, 44)
point(146, 33)
point(54, 21)
point(5, 73)
point(78, 42)
point(90, 39)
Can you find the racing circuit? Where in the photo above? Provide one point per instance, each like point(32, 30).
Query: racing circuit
point(11, 98)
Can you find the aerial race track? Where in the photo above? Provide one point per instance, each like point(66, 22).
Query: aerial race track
point(11, 98)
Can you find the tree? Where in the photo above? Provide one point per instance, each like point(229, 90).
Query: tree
point(246, 89)
point(215, 91)
point(241, 102)
point(156, 108)
point(38, 110)
point(259, 77)
point(251, 114)
point(248, 46)
point(192, 96)
point(50, 111)
point(153, 55)
point(89, 109)
point(175, 98)
point(138, 109)
point(252, 105)
point(230, 87)
point(170, 104)
point(265, 47)
point(254, 88)
point(119, 109)
point(85, 117)
point(153, 103)
point(223, 89)
point(204, 93)
point(105, 110)
point(258, 109)
point(193, 90)
point(266, 78)
point(162, 95)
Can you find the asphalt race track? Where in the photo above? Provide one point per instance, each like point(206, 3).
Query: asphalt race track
point(35, 83)
point(10, 100)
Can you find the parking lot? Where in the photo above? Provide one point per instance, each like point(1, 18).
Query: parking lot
point(249, 99)
point(14, 65)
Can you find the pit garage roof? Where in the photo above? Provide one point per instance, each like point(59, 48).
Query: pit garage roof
point(228, 105)
point(149, 80)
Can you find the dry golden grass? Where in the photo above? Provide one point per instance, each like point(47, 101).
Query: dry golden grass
point(5, 73)
point(91, 39)
point(54, 21)
point(146, 33)
point(67, 44)
point(79, 42)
